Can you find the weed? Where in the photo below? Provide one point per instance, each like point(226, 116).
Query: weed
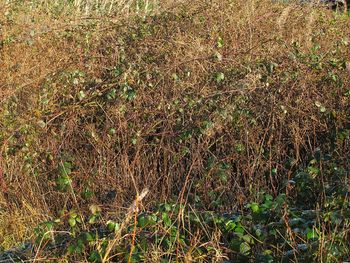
point(233, 114)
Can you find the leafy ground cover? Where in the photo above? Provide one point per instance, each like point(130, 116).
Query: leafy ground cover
point(209, 131)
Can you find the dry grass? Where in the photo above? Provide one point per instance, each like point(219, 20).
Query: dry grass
point(261, 116)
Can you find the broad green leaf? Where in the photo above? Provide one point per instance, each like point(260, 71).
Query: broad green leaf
point(94, 256)
point(72, 222)
point(244, 248)
point(230, 225)
point(255, 207)
point(166, 219)
point(311, 234)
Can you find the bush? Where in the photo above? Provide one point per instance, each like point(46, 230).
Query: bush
point(230, 107)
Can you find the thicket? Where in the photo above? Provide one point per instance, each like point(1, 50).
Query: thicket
point(193, 131)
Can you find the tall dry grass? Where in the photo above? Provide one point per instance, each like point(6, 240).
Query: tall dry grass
point(173, 121)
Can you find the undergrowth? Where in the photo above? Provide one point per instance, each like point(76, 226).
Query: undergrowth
point(202, 131)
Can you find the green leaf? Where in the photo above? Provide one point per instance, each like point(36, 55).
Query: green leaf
point(80, 247)
point(239, 147)
point(129, 93)
point(258, 232)
point(112, 226)
point(239, 230)
point(313, 170)
point(112, 131)
point(311, 234)
point(255, 207)
point(71, 249)
point(220, 42)
point(117, 71)
point(63, 182)
point(343, 134)
point(73, 215)
point(219, 77)
point(230, 225)
point(93, 219)
point(49, 224)
point(88, 237)
point(166, 219)
point(94, 256)
point(248, 239)
point(72, 222)
point(244, 248)
point(235, 244)
point(175, 77)
point(87, 193)
point(95, 209)
point(151, 219)
point(112, 94)
point(167, 207)
point(265, 258)
point(268, 197)
point(81, 95)
point(78, 219)
point(65, 169)
point(142, 221)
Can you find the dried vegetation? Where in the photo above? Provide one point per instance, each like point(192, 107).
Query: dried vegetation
point(233, 107)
